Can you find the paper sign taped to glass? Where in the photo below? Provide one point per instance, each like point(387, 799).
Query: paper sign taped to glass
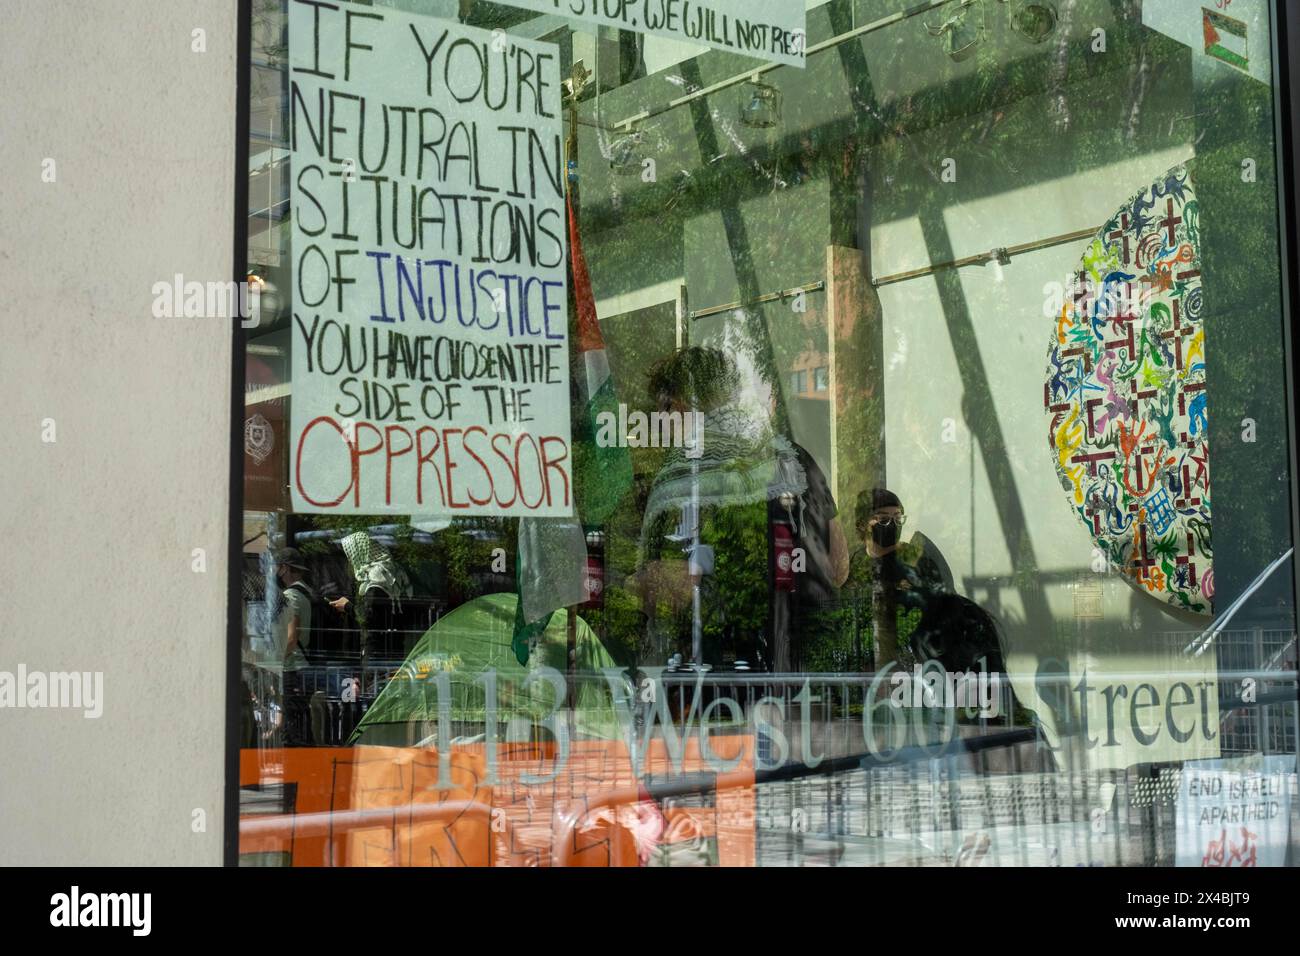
point(1236, 813)
point(772, 30)
point(430, 327)
point(1224, 36)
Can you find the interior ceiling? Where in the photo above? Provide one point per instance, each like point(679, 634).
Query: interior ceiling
point(916, 86)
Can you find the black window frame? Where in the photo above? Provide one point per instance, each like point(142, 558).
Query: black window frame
point(1285, 50)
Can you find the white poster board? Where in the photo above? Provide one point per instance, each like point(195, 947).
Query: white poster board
point(430, 302)
point(772, 30)
point(1223, 34)
point(1235, 812)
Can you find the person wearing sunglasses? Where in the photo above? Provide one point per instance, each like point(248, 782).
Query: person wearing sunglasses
point(884, 523)
point(902, 577)
point(897, 576)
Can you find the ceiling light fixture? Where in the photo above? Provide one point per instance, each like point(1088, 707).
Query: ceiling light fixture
point(626, 156)
point(1035, 21)
point(961, 33)
point(760, 105)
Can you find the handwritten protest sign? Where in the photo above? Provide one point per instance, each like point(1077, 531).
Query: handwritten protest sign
point(772, 30)
point(430, 333)
point(1235, 812)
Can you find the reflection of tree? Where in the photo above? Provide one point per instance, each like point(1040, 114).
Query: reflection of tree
point(740, 587)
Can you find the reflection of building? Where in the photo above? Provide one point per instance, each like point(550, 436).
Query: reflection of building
point(810, 377)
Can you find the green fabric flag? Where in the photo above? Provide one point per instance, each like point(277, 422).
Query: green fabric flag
point(525, 632)
point(552, 555)
point(602, 475)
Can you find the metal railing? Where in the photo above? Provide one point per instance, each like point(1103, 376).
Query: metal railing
point(979, 790)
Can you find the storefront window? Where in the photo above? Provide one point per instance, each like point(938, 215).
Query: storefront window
point(731, 434)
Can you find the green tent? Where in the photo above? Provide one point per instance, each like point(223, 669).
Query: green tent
point(475, 639)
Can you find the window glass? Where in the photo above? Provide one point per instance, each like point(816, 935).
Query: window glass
point(663, 455)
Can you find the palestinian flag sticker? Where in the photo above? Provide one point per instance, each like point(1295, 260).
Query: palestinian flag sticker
point(1225, 39)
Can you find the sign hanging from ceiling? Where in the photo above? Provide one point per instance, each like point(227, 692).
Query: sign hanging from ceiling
point(430, 331)
point(772, 30)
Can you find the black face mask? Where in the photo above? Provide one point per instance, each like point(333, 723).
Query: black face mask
point(885, 535)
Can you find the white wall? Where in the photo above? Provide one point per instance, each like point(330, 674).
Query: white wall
point(941, 475)
point(98, 527)
point(1054, 180)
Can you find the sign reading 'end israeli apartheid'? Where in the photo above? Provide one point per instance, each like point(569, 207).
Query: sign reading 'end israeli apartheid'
point(772, 30)
point(430, 333)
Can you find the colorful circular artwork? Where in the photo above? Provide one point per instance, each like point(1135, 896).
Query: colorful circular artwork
point(1126, 399)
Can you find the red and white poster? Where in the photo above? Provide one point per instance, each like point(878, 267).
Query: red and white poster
point(1235, 813)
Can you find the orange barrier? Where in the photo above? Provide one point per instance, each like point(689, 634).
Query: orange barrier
point(382, 806)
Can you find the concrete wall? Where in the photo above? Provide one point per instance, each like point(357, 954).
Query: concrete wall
point(100, 525)
point(993, 512)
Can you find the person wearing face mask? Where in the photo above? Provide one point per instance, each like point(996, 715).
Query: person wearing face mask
point(897, 576)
